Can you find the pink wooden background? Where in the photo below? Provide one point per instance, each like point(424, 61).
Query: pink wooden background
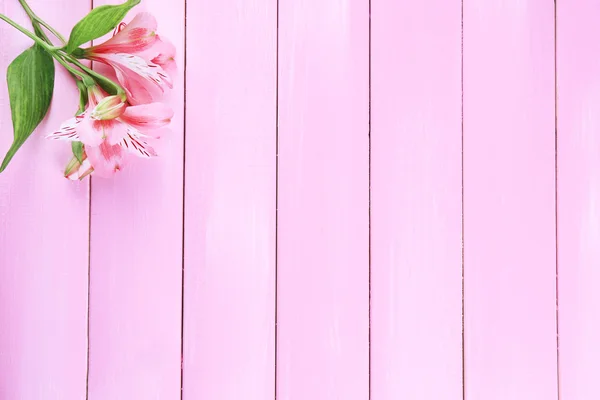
point(384, 199)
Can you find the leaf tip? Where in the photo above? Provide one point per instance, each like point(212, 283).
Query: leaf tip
point(5, 163)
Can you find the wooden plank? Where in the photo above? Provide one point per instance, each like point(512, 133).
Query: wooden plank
point(416, 199)
point(136, 257)
point(229, 323)
point(578, 84)
point(43, 238)
point(509, 200)
point(323, 200)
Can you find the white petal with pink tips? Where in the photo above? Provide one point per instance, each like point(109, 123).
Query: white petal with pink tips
point(68, 130)
point(135, 143)
point(143, 80)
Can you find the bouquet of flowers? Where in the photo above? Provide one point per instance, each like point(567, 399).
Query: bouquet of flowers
point(120, 112)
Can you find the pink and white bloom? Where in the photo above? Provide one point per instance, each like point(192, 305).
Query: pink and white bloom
point(110, 131)
point(143, 61)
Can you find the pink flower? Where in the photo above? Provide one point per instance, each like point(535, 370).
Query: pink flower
point(143, 62)
point(111, 130)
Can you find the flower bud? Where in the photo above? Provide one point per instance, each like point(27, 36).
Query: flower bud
point(110, 107)
point(77, 170)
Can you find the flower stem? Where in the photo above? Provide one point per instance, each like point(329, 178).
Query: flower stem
point(41, 42)
point(99, 77)
point(74, 71)
point(37, 20)
point(50, 49)
point(75, 74)
point(63, 58)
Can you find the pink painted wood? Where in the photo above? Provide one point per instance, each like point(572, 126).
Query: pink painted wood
point(229, 327)
point(43, 239)
point(136, 258)
point(416, 195)
point(509, 207)
point(322, 339)
point(323, 195)
point(578, 85)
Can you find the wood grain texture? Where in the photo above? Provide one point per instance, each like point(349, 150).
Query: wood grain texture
point(136, 257)
point(323, 195)
point(509, 200)
point(578, 88)
point(229, 326)
point(416, 196)
point(43, 238)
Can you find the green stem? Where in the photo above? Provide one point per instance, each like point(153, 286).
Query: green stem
point(35, 19)
point(53, 51)
point(50, 49)
point(39, 32)
point(53, 31)
point(74, 71)
point(97, 76)
point(31, 35)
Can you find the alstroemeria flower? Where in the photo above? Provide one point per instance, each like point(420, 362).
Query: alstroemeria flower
point(110, 130)
point(143, 61)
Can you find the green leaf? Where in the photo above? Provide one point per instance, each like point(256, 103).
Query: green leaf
point(97, 23)
point(77, 148)
point(30, 79)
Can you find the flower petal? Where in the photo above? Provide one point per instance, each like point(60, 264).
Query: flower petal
point(115, 131)
point(146, 69)
point(139, 90)
point(134, 143)
point(162, 53)
point(106, 159)
point(68, 130)
point(143, 80)
point(165, 51)
point(92, 132)
point(148, 117)
point(138, 35)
